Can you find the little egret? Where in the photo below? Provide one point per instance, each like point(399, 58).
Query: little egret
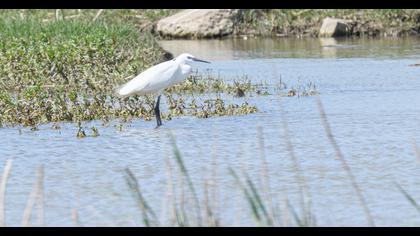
point(155, 79)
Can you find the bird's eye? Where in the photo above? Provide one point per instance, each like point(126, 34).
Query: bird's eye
point(189, 57)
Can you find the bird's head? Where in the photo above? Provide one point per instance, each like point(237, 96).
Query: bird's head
point(188, 58)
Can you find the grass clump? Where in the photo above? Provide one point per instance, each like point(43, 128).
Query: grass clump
point(50, 69)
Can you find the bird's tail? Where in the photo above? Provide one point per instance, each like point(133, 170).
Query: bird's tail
point(117, 90)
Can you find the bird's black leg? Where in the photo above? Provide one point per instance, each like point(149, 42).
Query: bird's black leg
point(157, 112)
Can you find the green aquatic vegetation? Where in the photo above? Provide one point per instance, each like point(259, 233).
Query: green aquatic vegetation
point(300, 90)
point(218, 107)
point(57, 55)
point(95, 132)
point(41, 86)
point(239, 87)
point(208, 83)
point(45, 106)
point(55, 126)
point(81, 133)
point(207, 108)
point(57, 71)
point(265, 93)
point(119, 127)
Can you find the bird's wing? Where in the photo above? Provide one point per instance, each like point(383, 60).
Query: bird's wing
point(150, 80)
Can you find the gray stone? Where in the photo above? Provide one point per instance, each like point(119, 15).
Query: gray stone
point(198, 23)
point(332, 27)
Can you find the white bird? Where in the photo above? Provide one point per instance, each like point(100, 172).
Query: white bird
point(155, 79)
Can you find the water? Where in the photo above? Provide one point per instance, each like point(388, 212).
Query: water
point(370, 94)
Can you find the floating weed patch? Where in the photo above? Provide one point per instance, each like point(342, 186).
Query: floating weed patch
point(217, 107)
point(300, 91)
point(81, 133)
point(95, 132)
point(239, 87)
point(199, 84)
point(39, 105)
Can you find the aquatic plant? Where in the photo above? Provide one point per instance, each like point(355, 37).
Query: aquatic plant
point(57, 71)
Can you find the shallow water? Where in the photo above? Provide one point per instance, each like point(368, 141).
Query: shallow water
point(371, 97)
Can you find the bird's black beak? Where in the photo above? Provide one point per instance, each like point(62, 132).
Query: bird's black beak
point(196, 59)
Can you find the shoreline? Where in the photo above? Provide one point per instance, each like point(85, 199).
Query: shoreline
point(302, 23)
point(295, 23)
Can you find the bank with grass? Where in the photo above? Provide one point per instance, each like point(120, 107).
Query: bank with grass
point(307, 22)
point(250, 22)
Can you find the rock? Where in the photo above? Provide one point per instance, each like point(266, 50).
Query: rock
point(198, 23)
point(332, 27)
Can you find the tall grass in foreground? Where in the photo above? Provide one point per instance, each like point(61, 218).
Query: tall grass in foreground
point(36, 197)
point(344, 164)
point(261, 208)
point(185, 208)
point(4, 178)
point(409, 198)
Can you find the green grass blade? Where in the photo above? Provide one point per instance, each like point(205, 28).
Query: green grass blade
point(134, 187)
point(248, 196)
point(295, 215)
point(184, 171)
point(258, 200)
point(408, 197)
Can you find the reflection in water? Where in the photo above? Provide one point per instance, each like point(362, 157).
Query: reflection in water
point(238, 48)
point(208, 49)
point(329, 49)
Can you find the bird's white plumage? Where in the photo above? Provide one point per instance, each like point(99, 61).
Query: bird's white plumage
point(157, 78)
